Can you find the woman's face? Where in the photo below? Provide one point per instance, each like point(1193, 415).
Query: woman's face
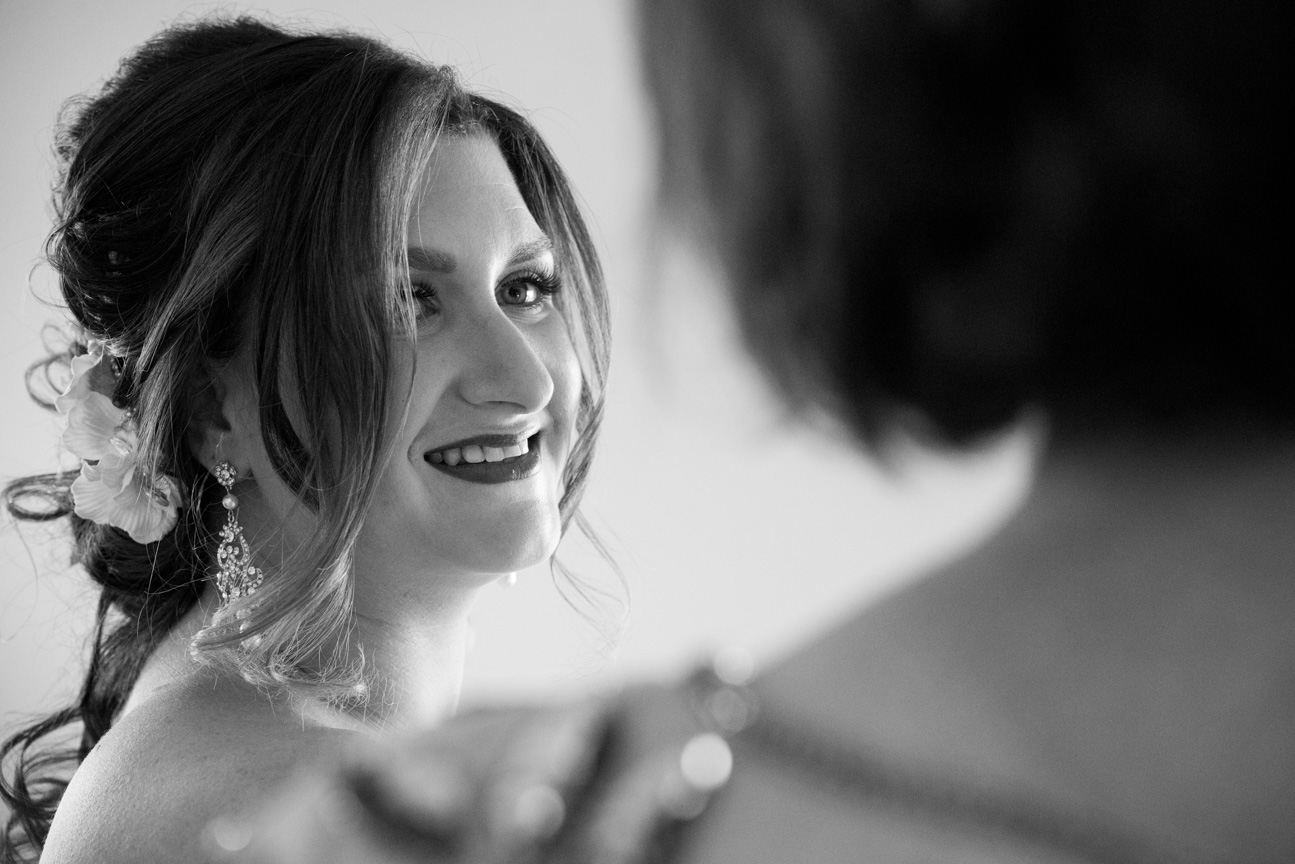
point(473, 487)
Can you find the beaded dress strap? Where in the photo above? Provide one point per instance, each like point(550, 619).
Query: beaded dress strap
point(754, 730)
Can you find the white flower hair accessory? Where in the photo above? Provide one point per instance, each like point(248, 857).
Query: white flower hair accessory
point(111, 489)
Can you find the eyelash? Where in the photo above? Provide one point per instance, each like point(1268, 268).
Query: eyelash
point(545, 284)
point(423, 295)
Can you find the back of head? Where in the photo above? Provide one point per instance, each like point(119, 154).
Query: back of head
point(965, 207)
point(221, 193)
point(236, 188)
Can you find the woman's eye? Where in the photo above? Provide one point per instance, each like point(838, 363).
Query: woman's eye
point(528, 290)
point(519, 294)
point(424, 298)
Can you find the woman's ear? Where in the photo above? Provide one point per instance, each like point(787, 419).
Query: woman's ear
point(216, 432)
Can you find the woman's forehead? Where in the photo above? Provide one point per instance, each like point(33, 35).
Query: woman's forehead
point(467, 198)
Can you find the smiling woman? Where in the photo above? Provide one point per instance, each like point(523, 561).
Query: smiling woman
point(337, 355)
point(496, 381)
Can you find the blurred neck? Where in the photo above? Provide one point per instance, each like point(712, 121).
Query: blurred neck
point(1120, 644)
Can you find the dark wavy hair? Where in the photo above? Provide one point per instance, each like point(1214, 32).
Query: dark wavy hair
point(239, 181)
point(953, 209)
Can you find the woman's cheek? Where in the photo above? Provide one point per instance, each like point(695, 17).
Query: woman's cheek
point(567, 381)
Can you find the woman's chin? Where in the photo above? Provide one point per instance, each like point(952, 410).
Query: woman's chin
point(469, 546)
point(499, 559)
point(521, 537)
point(479, 553)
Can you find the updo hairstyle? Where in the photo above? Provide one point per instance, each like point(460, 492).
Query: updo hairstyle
point(237, 187)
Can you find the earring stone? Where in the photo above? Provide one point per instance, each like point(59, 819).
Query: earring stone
point(236, 575)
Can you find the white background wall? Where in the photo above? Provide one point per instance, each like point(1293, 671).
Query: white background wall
point(731, 525)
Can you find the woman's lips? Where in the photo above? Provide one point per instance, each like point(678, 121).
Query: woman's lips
point(489, 458)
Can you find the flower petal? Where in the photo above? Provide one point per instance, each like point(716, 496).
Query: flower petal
point(91, 423)
point(92, 498)
point(83, 377)
point(141, 515)
point(114, 470)
point(144, 515)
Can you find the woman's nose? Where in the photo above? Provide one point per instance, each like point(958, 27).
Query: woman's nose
point(502, 365)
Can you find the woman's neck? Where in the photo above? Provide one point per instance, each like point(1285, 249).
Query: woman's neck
point(413, 659)
point(414, 654)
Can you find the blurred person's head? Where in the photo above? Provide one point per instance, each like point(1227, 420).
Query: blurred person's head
point(937, 213)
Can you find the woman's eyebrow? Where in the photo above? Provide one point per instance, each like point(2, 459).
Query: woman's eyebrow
point(435, 261)
point(430, 260)
point(531, 250)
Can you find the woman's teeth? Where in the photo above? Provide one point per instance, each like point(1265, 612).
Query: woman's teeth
point(472, 453)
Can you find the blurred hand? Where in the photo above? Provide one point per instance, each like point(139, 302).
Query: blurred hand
point(489, 786)
point(590, 782)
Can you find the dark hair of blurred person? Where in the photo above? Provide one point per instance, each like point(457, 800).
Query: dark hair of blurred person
point(970, 207)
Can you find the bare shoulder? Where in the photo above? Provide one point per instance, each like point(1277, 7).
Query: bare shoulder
point(191, 752)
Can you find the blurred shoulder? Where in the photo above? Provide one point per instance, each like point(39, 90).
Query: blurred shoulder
point(192, 751)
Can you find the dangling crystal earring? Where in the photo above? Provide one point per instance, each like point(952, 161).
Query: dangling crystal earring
point(236, 575)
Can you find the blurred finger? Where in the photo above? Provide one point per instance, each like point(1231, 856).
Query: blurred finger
point(426, 794)
point(548, 759)
point(485, 787)
point(639, 815)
